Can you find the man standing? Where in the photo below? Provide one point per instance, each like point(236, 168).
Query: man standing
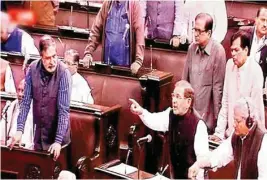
point(119, 27)
point(188, 137)
point(44, 11)
point(247, 146)
point(80, 91)
point(243, 78)
point(258, 43)
point(205, 70)
point(216, 9)
point(48, 84)
point(257, 33)
point(11, 118)
point(162, 20)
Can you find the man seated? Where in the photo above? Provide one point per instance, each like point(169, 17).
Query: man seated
point(120, 28)
point(11, 118)
point(80, 92)
point(247, 146)
point(188, 133)
point(14, 39)
point(7, 82)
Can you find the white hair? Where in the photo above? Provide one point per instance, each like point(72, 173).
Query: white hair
point(247, 108)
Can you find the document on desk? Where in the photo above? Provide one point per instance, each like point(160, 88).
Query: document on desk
point(122, 169)
point(158, 177)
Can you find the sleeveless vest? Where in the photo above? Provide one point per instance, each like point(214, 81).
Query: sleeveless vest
point(161, 15)
point(247, 153)
point(182, 130)
point(13, 42)
point(45, 111)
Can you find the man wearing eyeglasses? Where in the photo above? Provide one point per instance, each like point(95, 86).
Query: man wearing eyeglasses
point(205, 69)
point(80, 91)
point(243, 77)
point(188, 137)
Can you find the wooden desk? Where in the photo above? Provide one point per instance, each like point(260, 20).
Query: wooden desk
point(94, 134)
point(115, 86)
point(28, 164)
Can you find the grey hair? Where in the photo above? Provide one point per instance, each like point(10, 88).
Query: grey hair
point(74, 53)
point(184, 84)
point(246, 106)
point(188, 90)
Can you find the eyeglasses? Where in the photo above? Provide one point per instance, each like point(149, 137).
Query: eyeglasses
point(198, 31)
point(177, 96)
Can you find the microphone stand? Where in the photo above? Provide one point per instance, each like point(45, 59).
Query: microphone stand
point(71, 10)
point(88, 18)
point(138, 165)
point(126, 161)
point(4, 117)
point(151, 67)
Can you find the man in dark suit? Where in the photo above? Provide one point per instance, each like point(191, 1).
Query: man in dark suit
point(258, 40)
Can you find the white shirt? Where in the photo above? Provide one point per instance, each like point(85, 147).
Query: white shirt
point(27, 44)
point(255, 46)
point(12, 115)
point(224, 154)
point(9, 81)
point(160, 122)
point(81, 92)
point(251, 78)
point(215, 8)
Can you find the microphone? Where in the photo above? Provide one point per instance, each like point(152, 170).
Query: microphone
point(70, 22)
point(145, 139)
point(151, 61)
point(8, 103)
point(62, 45)
point(166, 167)
point(127, 27)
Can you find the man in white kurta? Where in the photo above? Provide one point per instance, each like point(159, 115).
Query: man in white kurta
point(243, 77)
point(176, 120)
point(247, 146)
point(11, 119)
point(81, 91)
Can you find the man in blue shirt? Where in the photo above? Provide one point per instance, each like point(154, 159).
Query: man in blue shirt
point(48, 84)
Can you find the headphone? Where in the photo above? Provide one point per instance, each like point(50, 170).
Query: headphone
point(249, 120)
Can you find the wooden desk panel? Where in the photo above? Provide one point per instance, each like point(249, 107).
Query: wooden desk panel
point(27, 164)
point(94, 134)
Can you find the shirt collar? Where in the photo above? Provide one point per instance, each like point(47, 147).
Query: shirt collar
point(207, 49)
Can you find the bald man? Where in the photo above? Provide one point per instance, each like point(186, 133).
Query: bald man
point(14, 39)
